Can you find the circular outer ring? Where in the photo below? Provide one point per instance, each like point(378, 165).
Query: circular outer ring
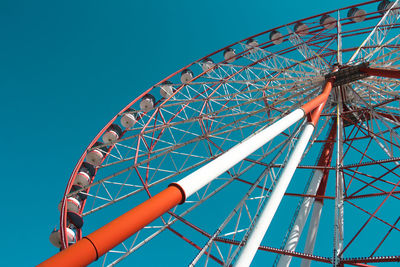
point(264, 45)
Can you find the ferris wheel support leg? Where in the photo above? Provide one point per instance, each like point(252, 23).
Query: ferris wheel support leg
point(102, 240)
point(260, 228)
point(318, 204)
point(381, 72)
point(316, 187)
point(312, 232)
point(301, 219)
point(325, 160)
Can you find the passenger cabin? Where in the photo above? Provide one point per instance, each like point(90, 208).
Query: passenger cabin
point(148, 102)
point(276, 37)
point(356, 14)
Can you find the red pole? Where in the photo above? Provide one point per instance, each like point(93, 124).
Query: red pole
point(324, 161)
point(388, 73)
point(96, 244)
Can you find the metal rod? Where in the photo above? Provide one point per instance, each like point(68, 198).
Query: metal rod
point(301, 219)
point(325, 160)
point(338, 220)
point(295, 234)
point(260, 228)
point(250, 248)
point(388, 73)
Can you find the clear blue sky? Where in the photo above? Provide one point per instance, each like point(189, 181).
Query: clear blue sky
point(67, 67)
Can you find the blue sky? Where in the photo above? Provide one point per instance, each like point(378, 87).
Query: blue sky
point(67, 68)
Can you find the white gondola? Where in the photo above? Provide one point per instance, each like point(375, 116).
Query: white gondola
point(96, 155)
point(276, 37)
point(166, 89)
point(55, 237)
point(148, 102)
point(356, 14)
point(301, 29)
point(84, 175)
point(251, 44)
point(129, 118)
point(186, 76)
point(328, 22)
point(72, 205)
point(207, 64)
point(82, 179)
point(385, 5)
point(112, 134)
point(229, 55)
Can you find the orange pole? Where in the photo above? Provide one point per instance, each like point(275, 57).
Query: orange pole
point(314, 103)
point(388, 73)
point(96, 244)
point(314, 115)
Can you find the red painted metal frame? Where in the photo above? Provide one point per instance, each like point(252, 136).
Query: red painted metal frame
point(388, 73)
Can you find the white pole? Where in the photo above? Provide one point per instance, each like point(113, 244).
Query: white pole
point(301, 219)
point(198, 179)
point(268, 212)
point(312, 232)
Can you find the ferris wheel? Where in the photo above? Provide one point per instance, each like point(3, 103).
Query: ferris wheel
point(282, 148)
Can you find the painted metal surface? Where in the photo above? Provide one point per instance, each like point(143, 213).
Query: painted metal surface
point(250, 248)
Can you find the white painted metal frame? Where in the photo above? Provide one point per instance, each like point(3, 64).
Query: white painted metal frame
point(264, 220)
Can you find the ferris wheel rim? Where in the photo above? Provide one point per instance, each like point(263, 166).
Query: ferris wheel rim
point(81, 160)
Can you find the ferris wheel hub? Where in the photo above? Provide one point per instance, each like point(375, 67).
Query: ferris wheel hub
point(348, 74)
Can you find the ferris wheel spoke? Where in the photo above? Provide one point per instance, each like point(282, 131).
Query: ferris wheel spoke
point(174, 173)
point(387, 53)
point(275, 63)
point(145, 161)
point(308, 53)
point(387, 89)
point(377, 36)
point(158, 128)
point(373, 93)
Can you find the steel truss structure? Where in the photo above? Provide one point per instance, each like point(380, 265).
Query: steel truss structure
point(281, 148)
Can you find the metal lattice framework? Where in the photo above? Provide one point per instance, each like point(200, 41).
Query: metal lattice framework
point(354, 150)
